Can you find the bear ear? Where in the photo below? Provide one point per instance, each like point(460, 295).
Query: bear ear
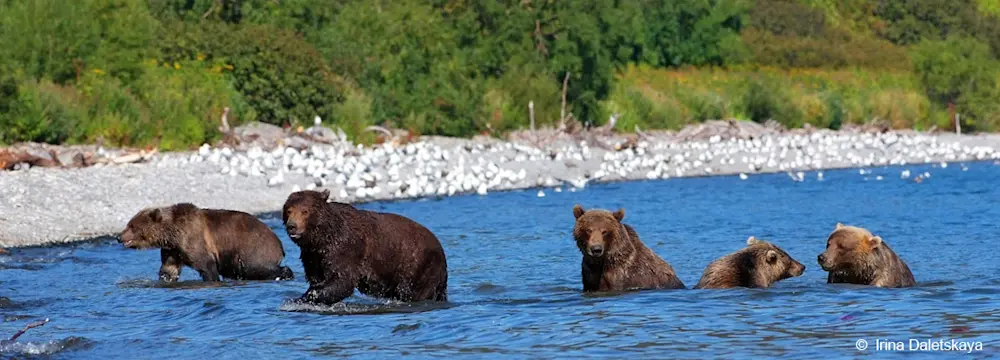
point(578, 211)
point(752, 241)
point(772, 256)
point(875, 241)
point(325, 193)
point(620, 214)
point(156, 215)
point(839, 226)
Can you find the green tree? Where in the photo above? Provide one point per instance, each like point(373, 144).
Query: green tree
point(960, 71)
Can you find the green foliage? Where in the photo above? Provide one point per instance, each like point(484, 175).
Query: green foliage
point(48, 39)
point(790, 34)
point(40, 111)
point(960, 71)
point(280, 75)
point(142, 72)
point(654, 98)
point(406, 58)
point(991, 7)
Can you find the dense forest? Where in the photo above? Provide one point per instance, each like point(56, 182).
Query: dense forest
point(159, 72)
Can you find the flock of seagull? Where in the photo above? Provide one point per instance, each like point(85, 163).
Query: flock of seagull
point(431, 168)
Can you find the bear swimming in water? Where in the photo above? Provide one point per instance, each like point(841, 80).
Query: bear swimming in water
point(759, 265)
point(614, 258)
point(225, 243)
point(855, 256)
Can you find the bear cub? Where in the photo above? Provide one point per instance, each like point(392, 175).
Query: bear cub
point(614, 258)
point(855, 256)
point(759, 265)
point(380, 254)
point(226, 243)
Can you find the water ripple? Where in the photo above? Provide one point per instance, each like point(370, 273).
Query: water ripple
point(514, 281)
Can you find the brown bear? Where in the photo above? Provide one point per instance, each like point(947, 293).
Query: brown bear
point(381, 254)
point(614, 258)
point(759, 265)
point(854, 256)
point(233, 244)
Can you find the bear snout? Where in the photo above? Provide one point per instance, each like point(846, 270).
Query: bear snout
point(293, 230)
point(596, 250)
point(126, 238)
point(798, 269)
point(821, 259)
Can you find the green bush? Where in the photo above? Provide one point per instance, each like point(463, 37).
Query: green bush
point(354, 115)
point(280, 76)
point(185, 102)
point(42, 112)
point(48, 39)
point(407, 60)
point(787, 33)
point(655, 98)
point(506, 101)
point(961, 71)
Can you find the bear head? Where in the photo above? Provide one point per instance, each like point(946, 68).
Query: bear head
point(771, 262)
point(156, 226)
point(847, 248)
point(298, 213)
point(598, 232)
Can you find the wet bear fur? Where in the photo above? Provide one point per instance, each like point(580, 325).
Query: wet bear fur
point(759, 265)
point(855, 256)
point(380, 254)
point(614, 258)
point(216, 243)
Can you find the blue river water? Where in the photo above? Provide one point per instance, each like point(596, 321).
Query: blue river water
point(515, 287)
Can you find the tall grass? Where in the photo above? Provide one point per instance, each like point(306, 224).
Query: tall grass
point(657, 98)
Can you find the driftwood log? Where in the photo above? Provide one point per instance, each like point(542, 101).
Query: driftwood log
point(26, 328)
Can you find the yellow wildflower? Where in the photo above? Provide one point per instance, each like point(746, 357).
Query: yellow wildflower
point(177, 66)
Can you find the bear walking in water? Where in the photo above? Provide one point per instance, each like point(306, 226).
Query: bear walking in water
point(226, 243)
point(854, 256)
point(759, 265)
point(614, 259)
point(381, 254)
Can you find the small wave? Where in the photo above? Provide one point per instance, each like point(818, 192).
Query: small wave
point(145, 283)
point(488, 288)
point(43, 348)
point(9, 266)
point(7, 303)
point(342, 308)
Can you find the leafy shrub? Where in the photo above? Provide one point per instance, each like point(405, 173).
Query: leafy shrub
point(506, 101)
point(405, 58)
point(281, 76)
point(48, 39)
point(185, 101)
point(960, 71)
point(824, 98)
point(787, 33)
point(42, 112)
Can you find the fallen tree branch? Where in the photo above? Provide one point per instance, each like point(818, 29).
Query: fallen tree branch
point(642, 135)
point(135, 157)
point(376, 128)
point(26, 328)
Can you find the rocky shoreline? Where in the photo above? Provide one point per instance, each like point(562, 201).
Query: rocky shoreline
point(41, 206)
